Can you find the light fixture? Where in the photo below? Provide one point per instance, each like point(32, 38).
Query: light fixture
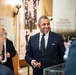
point(15, 3)
point(17, 7)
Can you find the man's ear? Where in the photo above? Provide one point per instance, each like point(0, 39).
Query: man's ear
point(39, 25)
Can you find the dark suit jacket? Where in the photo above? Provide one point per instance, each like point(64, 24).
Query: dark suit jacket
point(53, 54)
point(10, 48)
point(70, 67)
point(5, 70)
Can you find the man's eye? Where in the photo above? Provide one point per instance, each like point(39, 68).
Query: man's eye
point(48, 24)
point(44, 24)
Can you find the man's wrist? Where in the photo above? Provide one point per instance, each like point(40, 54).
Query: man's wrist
point(32, 63)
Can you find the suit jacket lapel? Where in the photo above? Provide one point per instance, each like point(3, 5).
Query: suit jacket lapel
point(50, 40)
point(37, 41)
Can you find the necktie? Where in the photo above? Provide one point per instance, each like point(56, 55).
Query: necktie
point(43, 44)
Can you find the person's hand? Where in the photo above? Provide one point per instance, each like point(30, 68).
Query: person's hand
point(8, 55)
point(36, 64)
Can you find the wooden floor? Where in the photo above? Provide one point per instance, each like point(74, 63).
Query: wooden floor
point(19, 74)
point(24, 71)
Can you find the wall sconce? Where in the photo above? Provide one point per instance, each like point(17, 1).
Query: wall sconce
point(17, 7)
point(38, 2)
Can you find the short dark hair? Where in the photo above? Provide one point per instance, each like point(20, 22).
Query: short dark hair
point(42, 17)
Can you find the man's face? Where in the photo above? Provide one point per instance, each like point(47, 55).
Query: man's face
point(44, 26)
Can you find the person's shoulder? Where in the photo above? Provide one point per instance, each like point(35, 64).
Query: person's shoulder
point(35, 35)
point(55, 34)
point(7, 40)
point(73, 43)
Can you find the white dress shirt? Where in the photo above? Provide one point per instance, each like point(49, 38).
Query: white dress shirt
point(5, 58)
point(46, 39)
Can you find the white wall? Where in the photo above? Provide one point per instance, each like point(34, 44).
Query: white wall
point(64, 15)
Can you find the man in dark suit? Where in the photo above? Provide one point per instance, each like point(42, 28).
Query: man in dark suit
point(53, 52)
point(10, 51)
point(3, 69)
point(70, 66)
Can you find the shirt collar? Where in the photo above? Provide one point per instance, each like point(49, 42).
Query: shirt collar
point(41, 34)
point(5, 42)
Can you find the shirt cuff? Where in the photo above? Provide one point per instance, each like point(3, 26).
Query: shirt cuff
point(32, 63)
